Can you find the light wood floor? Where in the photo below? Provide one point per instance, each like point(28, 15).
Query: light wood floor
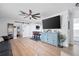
point(29, 47)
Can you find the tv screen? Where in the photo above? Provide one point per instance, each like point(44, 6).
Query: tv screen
point(52, 23)
point(37, 27)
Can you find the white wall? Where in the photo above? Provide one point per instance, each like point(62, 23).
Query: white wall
point(70, 31)
point(29, 28)
point(3, 28)
point(64, 28)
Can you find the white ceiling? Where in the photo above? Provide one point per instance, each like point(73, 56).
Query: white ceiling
point(11, 10)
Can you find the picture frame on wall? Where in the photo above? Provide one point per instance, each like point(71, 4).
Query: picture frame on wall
point(37, 27)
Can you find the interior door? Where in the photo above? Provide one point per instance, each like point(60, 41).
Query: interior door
point(25, 28)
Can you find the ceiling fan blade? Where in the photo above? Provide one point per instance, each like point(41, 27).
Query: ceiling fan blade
point(25, 16)
point(22, 12)
point(34, 17)
point(37, 14)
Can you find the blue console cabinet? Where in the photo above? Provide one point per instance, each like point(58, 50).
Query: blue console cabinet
point(50, 37)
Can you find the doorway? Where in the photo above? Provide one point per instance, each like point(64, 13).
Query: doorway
point(10, 30)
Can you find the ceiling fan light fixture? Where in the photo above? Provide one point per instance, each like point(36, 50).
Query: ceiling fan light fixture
point(30, 15)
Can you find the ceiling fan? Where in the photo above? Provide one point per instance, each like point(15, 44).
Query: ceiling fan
point(30, 14)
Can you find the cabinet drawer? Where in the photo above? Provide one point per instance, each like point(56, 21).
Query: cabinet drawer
point(55, 42)
point(50, 41)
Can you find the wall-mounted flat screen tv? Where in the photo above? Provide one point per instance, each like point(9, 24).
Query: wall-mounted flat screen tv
point(52, 23)
point(37, 27)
